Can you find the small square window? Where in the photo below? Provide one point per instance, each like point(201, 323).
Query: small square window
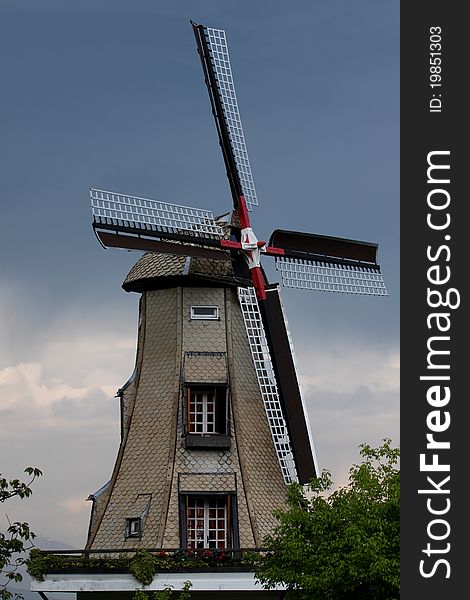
point(133, 528)
point(210, 313)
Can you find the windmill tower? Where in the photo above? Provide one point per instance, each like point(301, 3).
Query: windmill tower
point(205, 451)
point(213, 425)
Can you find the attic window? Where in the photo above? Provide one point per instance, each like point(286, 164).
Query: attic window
point(133, 528)
point(210, 313)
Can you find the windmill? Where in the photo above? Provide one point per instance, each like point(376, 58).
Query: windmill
point(231, 256)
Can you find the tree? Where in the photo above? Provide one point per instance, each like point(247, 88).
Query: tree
point(18, 537)
point(344, 545)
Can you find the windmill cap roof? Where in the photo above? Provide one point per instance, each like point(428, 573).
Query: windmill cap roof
point(157, 271)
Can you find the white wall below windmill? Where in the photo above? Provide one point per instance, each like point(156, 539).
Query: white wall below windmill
point(229, 586)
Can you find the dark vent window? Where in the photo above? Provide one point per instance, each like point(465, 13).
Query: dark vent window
point(209, 313)
point(133, 528)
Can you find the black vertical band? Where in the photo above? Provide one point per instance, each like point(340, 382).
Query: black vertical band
point(434, 395)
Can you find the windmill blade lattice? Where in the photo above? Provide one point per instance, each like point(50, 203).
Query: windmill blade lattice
point(216, 62)
point(267, 382)
point(328, 264)
point(122, 210)
point(322, 276)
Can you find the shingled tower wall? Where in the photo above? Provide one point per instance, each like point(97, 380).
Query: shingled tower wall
point(162, 467)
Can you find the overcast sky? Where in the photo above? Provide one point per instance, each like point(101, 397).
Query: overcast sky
point(110, 94)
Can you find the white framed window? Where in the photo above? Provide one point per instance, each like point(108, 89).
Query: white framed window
point(207, 521)
point(205, 415)
point(206, 313)
point(133, 527)
point(202, 412)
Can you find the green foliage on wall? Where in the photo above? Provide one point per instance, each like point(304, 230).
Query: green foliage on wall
point(143, 565)
point(166, 594)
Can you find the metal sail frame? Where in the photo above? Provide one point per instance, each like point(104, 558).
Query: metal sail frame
point(219, 81)
point(262, 361)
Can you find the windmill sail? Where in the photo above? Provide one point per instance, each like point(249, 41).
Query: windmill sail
point(134, 223)
point(328, 264)
point(145, 244)
point(132, 212)
point(289, 389)
point(213, 50)
point(325, 276)
point(267, 382)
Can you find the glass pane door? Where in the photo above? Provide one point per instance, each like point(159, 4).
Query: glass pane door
point(206, 522)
